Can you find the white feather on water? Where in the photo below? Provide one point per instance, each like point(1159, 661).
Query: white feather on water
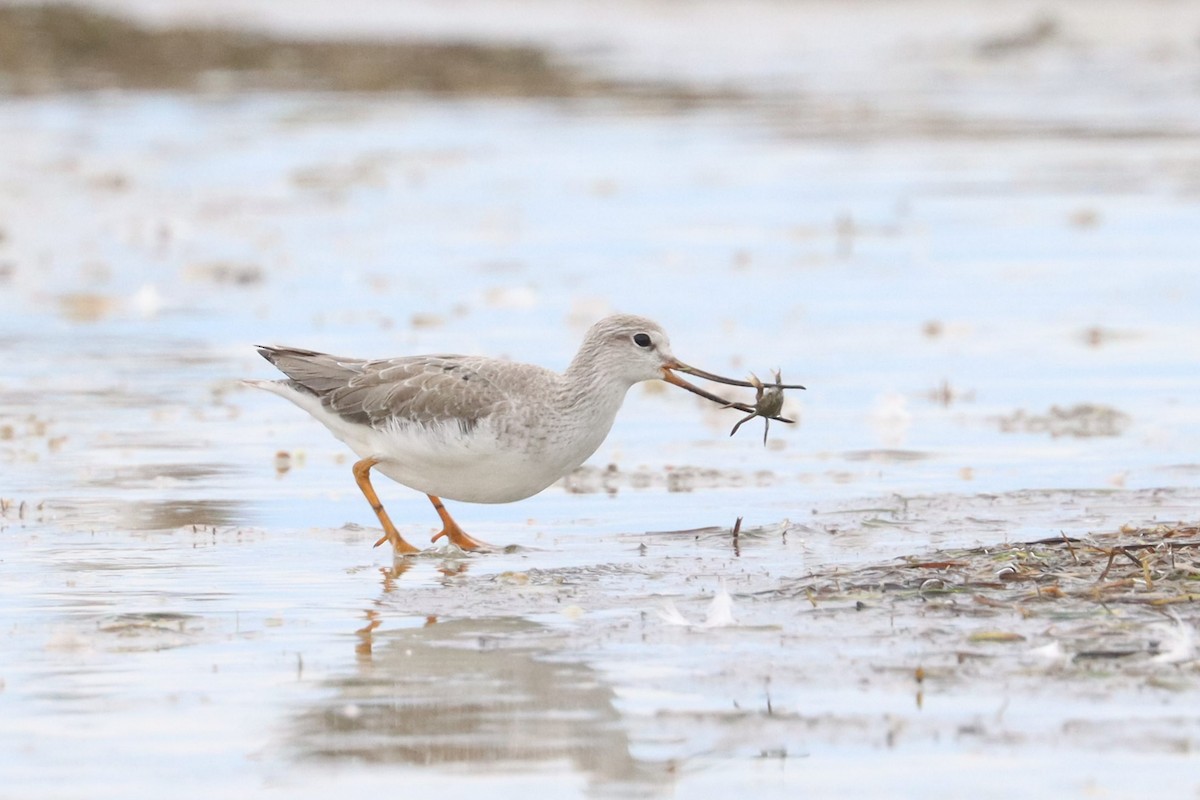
point(719, 614)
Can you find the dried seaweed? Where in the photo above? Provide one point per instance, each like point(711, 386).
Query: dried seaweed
point(1092, 589)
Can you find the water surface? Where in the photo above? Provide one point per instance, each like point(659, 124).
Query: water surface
point(999, 337)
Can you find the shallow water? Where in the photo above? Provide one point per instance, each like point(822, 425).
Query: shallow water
point(999, 337)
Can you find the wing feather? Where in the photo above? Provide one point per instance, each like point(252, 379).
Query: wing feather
point(418, 389)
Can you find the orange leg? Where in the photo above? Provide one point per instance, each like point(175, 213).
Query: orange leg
point(450, 528)
point(362, 476)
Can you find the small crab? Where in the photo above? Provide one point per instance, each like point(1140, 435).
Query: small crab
point(768, 403)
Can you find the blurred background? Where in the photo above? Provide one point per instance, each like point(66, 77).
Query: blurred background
point(970, 228)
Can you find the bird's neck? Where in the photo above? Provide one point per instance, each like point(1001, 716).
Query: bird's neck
point(589, 388)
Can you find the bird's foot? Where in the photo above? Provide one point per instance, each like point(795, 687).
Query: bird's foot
point(461, 538)
point(400, 545)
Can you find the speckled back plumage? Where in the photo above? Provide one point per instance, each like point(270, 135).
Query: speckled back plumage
point(420, 390)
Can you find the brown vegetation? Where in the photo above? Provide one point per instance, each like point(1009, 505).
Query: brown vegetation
point(68, 48)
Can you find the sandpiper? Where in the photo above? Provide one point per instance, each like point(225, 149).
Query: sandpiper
point(480, 430)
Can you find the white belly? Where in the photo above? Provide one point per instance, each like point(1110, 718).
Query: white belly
point(480, 466)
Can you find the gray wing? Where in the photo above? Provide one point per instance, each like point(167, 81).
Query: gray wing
point(417, 389)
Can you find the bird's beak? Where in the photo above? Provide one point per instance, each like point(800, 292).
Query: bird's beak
point(674, 366)
point(708, 376)
point(671, 377)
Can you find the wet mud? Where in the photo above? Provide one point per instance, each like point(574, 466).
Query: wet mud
point(968, 569)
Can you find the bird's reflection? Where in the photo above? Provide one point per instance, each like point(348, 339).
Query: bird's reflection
point(477, 693)
point(366, 641)
point(391, 575)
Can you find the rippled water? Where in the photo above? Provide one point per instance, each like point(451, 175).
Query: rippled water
point(999, 339)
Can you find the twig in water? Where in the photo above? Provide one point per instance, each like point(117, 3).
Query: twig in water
point(1071, 550)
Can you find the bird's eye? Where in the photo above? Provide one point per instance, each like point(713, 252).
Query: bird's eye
point(642, 340)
